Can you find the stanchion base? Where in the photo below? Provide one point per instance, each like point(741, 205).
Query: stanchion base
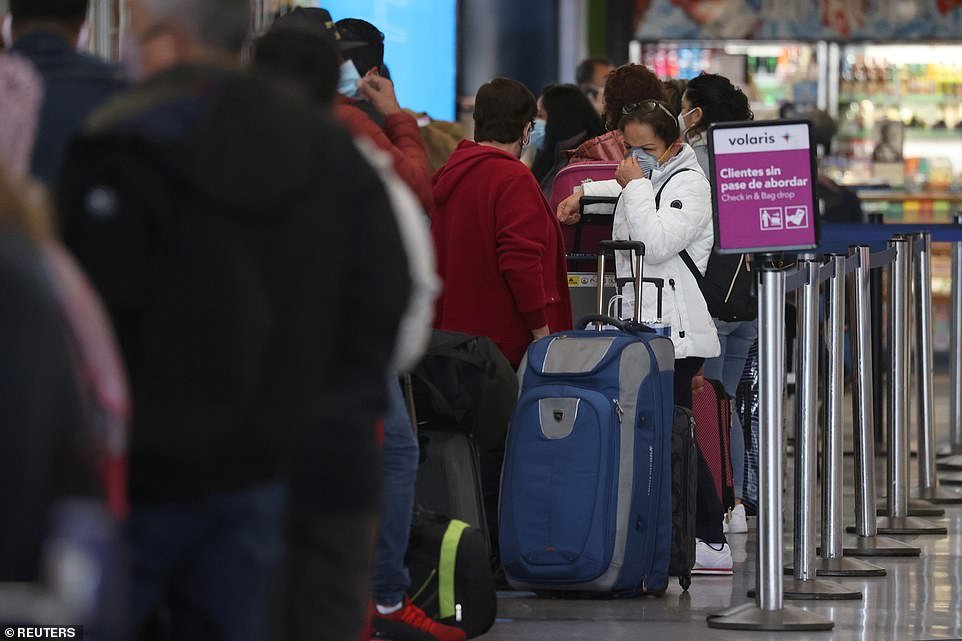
point(917, 507)
point(950, 478)
point(950, 464)
point(843, 566)
point(751, 617)
point(947, 449)
point(815, 590)
point(908, 525)
point(938, 495)
point(869, 546)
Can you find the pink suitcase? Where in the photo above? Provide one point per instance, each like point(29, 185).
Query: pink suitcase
point(582, 239)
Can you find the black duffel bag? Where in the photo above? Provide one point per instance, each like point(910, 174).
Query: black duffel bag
point(464, 383)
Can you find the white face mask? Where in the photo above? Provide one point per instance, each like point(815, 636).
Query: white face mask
point(682, 126)
point(347, 86)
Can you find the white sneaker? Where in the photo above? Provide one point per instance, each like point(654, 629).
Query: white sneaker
point(735, 522)
point(712, 559)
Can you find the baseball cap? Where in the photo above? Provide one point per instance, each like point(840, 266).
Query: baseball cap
point(315, 20)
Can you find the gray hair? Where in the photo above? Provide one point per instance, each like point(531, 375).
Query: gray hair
point(223, 25)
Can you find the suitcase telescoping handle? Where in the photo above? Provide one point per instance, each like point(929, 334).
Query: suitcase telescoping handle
point(637, 248)
point(588, 201)
point(602, 320)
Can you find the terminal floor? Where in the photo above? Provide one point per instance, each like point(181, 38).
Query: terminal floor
point(921, 598)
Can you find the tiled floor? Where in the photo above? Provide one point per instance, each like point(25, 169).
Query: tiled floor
point(921, 598)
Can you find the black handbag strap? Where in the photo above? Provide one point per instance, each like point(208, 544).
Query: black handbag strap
point(692, 267)
point(685, 256)
point(665, 184)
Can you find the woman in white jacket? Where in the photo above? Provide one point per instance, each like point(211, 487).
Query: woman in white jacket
point(659, 166)
point(665, 202)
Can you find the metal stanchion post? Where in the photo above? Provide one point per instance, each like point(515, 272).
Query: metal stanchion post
point(928, 488)
point(878, 347)
point(804, 584)
point(832, 562)
point(898, 520)
point(954, 450)
point(769, 612)
point(867, 542)
point(916, 506)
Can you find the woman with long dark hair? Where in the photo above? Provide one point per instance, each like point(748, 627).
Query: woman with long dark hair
point(571, 120)
point(711, 98)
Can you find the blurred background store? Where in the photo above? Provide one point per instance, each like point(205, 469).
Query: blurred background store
point(889, 71)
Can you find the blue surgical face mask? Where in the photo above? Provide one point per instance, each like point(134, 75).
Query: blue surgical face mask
point(538, 133)
point(646, 161)
point(347, 86)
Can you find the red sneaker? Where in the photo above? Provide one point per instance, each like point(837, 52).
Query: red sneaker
point(410, 623)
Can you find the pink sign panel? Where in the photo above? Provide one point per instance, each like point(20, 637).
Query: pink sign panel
point(763, 187)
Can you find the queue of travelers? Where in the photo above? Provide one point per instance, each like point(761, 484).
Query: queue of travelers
point(207, 330)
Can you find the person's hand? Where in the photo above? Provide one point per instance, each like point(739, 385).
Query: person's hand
point(379, 92)
point(597, 100)
point(541, 332)
point(697, 384)
point(628, 170)
point(569, 209)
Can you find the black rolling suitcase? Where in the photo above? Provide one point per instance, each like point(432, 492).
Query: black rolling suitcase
point(449, 479)
point(684, 486)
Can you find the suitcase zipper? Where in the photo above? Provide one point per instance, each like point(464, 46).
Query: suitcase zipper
point(619, 410)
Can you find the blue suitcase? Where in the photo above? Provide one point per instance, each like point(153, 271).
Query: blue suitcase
point(586, 487)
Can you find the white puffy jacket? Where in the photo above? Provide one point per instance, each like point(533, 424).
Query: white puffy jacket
point(684, 221)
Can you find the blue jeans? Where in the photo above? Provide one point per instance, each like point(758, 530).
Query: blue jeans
point(209, 560)
point(400, 472)
point(736, 340)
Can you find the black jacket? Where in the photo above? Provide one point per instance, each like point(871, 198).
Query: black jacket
point(252, 266)
point(75, 85)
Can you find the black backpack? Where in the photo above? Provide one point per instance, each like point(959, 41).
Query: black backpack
point(451, 578)
point(727, 285)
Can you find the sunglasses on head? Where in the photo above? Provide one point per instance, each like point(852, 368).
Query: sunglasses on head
point(646, 106)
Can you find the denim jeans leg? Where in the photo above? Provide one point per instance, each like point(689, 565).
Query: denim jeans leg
point(222, 590)
point(739, 345)
point(715, 367)
point(391, 577)
point(158, 537)
point(211, 561)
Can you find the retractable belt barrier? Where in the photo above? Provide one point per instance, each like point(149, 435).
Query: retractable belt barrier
point(837, 237)
point(851, 272)
point(953, 450)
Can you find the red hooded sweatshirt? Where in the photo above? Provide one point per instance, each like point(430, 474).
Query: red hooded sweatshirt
point(500, 251)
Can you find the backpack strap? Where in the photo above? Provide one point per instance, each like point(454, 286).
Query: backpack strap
point(692, 267)
point(685, 256)
point(447, 566)
point(665, 184)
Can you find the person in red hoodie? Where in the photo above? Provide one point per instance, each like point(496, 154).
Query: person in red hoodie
point(499, 246)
